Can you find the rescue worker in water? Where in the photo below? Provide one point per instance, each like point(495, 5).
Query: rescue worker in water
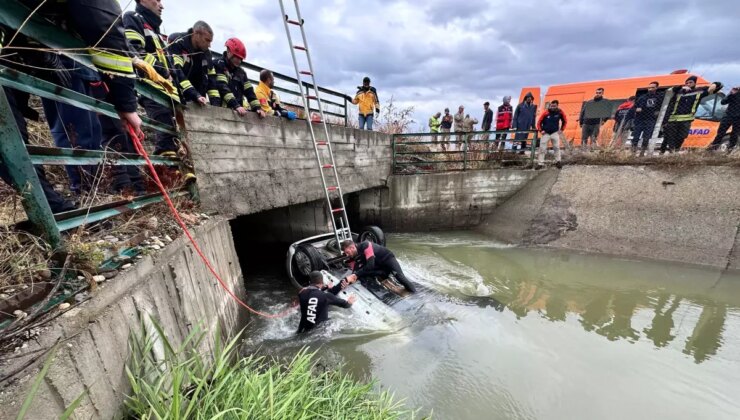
point(316, 298)
point(369, 259)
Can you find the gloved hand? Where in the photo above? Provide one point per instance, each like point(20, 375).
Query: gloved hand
point(152, 75)
point(290, 115)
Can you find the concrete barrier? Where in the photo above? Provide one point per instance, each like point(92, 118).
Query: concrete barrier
point(247, 165)
point(687, 214)
point(174, 287)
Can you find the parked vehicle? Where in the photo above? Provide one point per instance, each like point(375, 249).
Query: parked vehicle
point(572, 97)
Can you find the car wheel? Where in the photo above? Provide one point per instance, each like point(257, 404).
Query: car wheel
point(372, 234)
point(305, 260)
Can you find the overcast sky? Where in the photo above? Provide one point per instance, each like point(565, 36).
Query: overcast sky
point(436, 54)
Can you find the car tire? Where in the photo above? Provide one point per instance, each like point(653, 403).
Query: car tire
point(373, 234)
point(305, 260)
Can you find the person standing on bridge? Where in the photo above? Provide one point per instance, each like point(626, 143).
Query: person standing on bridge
point(434, 123)
point(367, 100)
point(524, 119)
point(551, 123)
point(315, 300)
point(680, 118)
point(591, 126)
point(730, 120)
point(487, 120)
point(459, 129)
point(504, 118)
point(446, 128)
point(647, 110)
point(368, 259)
point(235, 91)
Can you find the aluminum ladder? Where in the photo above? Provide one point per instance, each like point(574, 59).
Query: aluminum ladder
point(337, 214)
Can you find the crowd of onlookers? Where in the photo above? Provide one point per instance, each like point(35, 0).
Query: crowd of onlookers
point(635, 120)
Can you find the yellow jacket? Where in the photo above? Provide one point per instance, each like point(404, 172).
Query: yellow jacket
point(264, 95)
point(368, 101)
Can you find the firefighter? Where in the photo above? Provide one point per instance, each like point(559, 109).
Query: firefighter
point(369, 259)
point(143, 34)
point(680, 118)
point(235, 90)
point(315, 300)
point(268, 99)
point(193, 64)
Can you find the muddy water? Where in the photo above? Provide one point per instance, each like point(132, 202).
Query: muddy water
point(507, 333)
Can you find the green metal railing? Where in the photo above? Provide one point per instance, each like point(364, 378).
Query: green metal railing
point(418, 153)
point(19, 158)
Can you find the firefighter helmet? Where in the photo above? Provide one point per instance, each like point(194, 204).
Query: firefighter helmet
point(236, 47)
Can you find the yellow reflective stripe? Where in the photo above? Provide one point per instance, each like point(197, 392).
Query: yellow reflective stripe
point(229, 97)
point(214, 93)
point(132, 35)
point(211, 72)
point(247, 86)
point(114, 63)
point(150, 59)
point(159, 87)
point(254, 103)
point(222, 78)
point(179, 61)
point(185, 84)
point(681, 118)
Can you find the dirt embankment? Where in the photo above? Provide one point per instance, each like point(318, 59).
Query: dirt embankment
point(676, 213)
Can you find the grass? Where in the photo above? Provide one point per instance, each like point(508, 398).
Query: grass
point(180, 383)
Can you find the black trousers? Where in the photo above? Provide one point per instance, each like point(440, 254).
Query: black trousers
point(165, 142)
point(724, 125)
point(391, 266)
point(674, 134)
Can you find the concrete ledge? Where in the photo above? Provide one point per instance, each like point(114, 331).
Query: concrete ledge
point(173, 286)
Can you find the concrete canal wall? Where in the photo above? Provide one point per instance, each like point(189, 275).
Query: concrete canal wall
point(173, 287)
point(687, 214)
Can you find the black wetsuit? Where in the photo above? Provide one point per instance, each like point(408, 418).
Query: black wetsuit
point(376, 260)
point(315, 305)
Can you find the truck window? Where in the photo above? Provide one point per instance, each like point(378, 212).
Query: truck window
point(719, 109)
point(706, 109)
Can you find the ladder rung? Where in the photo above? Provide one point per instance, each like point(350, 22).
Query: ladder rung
point(321, 143)
point(311, 97)
point(306, 72)
point(300, 47)
point(339, 210)
point(331, 188)
point(294, 22)
point(328, 166)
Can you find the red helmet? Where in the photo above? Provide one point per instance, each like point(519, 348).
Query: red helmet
point(236, 47)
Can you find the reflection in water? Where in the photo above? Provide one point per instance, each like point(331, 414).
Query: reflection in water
point(605, 294)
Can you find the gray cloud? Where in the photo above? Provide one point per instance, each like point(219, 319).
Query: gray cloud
point(442, 53)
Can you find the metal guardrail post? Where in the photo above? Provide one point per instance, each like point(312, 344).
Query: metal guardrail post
point(465, 153)
point(393, 152)
point(346, 113)
point(533, 151)
point(15, 158)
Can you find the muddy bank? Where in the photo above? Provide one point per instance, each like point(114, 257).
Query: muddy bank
point(688, 214)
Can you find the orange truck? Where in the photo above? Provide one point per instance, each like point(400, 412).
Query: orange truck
point(572, 96)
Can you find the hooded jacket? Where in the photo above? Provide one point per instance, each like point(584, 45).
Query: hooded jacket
point(524, 115)
point(434, 124)
point(550, 121)
point(367, 101)
point(504, 117)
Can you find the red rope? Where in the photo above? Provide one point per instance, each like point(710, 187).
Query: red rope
point(142, 152)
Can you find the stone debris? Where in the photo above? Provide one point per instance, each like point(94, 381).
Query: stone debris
point(81, 297)
point(110, 274)
point(64, 306)
point(4, 296)
point(99, 278)
point(156, 247)
point(126, 266)
point(167, 238)
point(19, 314)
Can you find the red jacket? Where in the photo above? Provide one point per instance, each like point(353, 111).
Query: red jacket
point(504, 117)
point(550, 121)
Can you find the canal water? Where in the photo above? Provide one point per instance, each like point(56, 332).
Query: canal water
point(510, 333)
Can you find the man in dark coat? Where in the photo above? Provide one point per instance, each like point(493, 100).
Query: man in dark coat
point(524, 119)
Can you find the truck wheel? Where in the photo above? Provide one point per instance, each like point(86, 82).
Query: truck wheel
point(305, 260)
point(373, 234)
